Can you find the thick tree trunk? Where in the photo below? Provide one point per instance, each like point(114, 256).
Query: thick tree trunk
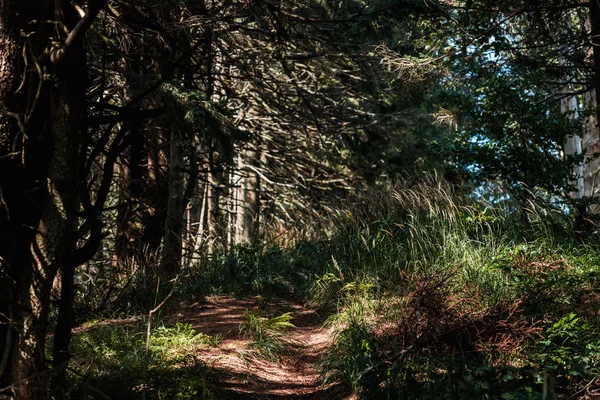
point(588, 144)
point(54, 239)
point(155, 195)
point(594, 30)
point(590, 141)
point(144, 181)
point(40, 191)
point(144, 199)
point(22, 333)
point(14, 236)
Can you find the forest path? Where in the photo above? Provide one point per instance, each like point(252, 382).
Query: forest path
point(243, 375)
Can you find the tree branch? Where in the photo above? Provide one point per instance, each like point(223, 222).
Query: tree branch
point(124, 115)
point(58, 54)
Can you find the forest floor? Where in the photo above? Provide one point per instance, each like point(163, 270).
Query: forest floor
point(243, 374)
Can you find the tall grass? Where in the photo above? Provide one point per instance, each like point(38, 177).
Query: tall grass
point(463, 299)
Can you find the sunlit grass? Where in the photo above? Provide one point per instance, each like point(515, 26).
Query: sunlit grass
point(120, 362)
point(268, 335)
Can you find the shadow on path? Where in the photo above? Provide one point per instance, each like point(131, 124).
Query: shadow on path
point(242, 377)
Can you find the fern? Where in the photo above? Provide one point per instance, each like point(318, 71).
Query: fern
point(267, 333)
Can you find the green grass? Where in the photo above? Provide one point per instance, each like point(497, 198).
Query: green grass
point(463, 301)
point(113, 362)
point(267, 334)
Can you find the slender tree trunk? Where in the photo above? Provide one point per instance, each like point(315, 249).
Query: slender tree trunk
point(202, 218)
point(172, 249)
point(215, 214)
point(128, 236)
point(62, 333)
point(247, 220)
point(573, 146)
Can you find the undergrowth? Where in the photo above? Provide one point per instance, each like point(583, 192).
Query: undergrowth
point(119, 362)
point(432, 294)
point(463, 301)
point(438, 296)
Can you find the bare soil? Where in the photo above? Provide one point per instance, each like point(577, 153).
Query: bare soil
point(243, 375)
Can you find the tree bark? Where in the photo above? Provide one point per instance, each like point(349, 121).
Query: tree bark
point(172, 249)
point(40, 191)
point(247, 220)
point(215, 214)
point(128, 235)
point(590, 139)
point(594, 7)
point(573, 146)
point(589, 142)
point(13, 236)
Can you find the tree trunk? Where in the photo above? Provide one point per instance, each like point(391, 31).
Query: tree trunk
point(14, 232)
point(573, 146)
point(248, 197)
point(594, 30)
point(590, 142)
point(155, 196)
point(144, 198)
point(144, 184)
point(40, 194)
point(215, 214)
point(172, 249)
point(200, 233)
point(129, 232)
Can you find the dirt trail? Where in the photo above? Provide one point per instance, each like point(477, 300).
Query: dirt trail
point(243, 377)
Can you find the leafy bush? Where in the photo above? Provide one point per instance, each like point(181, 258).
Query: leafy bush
point(570, 352)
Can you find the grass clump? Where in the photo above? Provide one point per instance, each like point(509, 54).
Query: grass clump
point(355, 357)
point(179, 339)
point(267, 334)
